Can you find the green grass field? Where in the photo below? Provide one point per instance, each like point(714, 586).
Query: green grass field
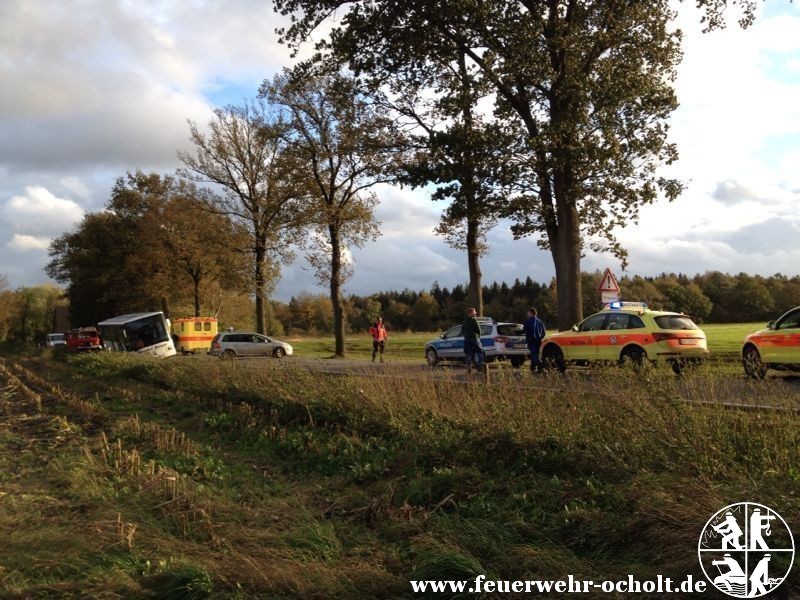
point(404, 346)
point(724, 340)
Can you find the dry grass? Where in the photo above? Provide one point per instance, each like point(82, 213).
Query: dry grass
point(283, 483)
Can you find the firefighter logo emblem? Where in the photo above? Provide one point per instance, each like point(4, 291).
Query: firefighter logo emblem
point(746, 550)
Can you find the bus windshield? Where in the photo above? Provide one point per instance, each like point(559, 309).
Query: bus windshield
point(135, 335)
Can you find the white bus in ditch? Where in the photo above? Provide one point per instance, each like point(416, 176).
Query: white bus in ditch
point(143, 333)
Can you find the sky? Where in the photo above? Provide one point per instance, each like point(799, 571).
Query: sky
point(92, 89)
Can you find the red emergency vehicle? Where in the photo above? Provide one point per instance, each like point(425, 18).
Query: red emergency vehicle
point(83, 339)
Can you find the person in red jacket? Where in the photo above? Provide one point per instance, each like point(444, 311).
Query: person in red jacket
point(378, 333)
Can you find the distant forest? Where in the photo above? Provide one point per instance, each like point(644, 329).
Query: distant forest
point(26, 314)
point(712, 297)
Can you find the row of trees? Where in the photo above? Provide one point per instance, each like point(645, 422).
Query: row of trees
point(29, 313)
point(26, 313)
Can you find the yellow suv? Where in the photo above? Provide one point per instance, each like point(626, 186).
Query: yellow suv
point(627, 331)
point(776, 347)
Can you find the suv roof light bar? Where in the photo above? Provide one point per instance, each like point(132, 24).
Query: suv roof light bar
point(616, 305)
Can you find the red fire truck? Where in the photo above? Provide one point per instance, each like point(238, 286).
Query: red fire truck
point(83, 339)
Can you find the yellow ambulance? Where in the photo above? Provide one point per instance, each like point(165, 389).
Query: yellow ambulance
point(194, 334)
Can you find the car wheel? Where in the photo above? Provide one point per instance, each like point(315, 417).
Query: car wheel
point(279, 352)
point(753, 365)
point(431, 357)
point(517, 362)
point(678, 366)
point(635, 357)
point(228, 354)
point(553, 359)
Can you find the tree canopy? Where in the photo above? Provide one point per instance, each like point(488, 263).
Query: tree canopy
point(152, 247)
point(583, 87)
point(244, 155)
point(342, 144)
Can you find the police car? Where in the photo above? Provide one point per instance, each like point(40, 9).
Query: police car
point(776, 347)
point(499, 341)
point(627, 332)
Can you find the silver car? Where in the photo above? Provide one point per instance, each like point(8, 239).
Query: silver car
point(231, 344)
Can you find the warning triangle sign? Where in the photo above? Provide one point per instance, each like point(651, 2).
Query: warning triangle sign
point(608, 283)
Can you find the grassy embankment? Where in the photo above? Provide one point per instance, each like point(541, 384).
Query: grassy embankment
point(190, 479)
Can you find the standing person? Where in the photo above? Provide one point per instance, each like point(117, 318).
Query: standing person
point(534, 334)
point(471, 331)
point(379, 335)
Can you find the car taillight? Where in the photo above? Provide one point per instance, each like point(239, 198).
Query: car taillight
point(661, 337)
point(215, 344)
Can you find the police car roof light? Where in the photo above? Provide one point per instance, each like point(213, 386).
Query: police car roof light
point(617, 305)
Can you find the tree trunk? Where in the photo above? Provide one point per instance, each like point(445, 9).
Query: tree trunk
point(165, 307)
point(469, 186)
point(261, 287)
point(566, 251)
point(473, 262)
point(336, 290)
point(196, 296)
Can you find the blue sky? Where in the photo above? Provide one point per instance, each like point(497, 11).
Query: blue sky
point(90, 89)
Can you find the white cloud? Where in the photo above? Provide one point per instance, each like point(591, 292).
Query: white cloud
point(735, 106)
point(732, 192)
point(77, 186)
point(113, 82)
point(24, 243)
point(406, 213)
point(39, 211)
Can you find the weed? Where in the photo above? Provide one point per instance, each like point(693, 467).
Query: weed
point(187, 582)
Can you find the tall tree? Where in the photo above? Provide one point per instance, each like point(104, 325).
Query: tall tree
point(90, 261)
point(345, 145)
point(205, 247)
point(244, 153)
point(139, 200)
point(583, 86)
point(457, 150)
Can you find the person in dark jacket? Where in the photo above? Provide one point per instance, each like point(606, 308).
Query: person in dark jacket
point(471, 331)
point(534, 334)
